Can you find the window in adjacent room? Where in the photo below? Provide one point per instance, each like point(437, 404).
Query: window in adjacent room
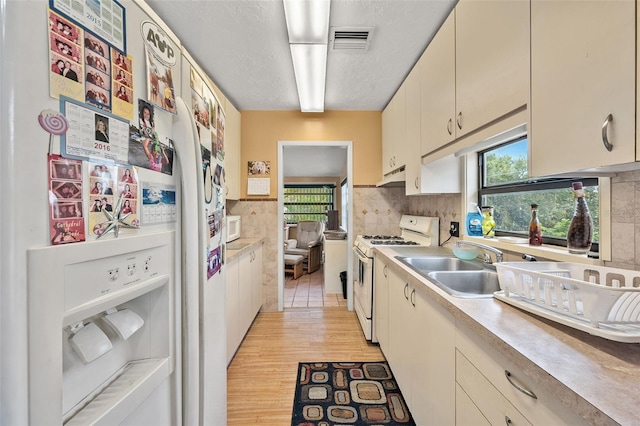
point(505, 184)
point(307, 202)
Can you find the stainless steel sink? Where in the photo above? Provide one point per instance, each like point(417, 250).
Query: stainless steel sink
point(467, 284)
point(424, 264)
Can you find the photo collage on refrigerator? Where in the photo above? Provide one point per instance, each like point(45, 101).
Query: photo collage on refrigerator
point(102, 144)
point(209, 122)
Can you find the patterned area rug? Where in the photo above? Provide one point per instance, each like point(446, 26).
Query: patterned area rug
point(360, 393)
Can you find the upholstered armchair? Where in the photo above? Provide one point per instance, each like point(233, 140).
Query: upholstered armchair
point(308, 243)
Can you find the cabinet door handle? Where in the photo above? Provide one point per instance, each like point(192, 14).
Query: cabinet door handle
point(416, 183)
point(527, 392)
point(384, 271)
point(605, 127)
point(449, 126)
point(507, 421)
point(459, 120)
point(413, 297)
point(406, 287)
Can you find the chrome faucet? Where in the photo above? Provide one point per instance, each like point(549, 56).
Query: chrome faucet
point(487, 258)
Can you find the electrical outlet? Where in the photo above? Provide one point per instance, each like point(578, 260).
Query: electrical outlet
point(454, 229)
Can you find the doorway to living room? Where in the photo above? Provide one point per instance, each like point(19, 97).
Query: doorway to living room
point(315, 171)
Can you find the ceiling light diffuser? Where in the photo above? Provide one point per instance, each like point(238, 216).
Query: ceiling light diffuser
point(310, 68)
point(308, 28)
point(307, 20)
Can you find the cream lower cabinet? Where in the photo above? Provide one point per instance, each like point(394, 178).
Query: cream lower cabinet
point(421, 352)
point(256, 291)
point(381, 303)
point(467, 413)
point(335, 262)
point(481, 377)
point(232, 297)
point(583, 70)
point(243, 289)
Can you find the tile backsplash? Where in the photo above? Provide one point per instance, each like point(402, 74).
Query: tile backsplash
point(378, 211)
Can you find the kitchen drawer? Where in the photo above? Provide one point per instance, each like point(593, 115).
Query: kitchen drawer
point(467, 413)
point(491, 403)
point(543, 410)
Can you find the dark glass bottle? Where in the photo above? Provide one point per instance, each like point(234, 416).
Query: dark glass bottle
point(581, 228)
point(535, 229)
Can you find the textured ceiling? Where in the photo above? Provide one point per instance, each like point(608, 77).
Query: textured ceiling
point(243, 46)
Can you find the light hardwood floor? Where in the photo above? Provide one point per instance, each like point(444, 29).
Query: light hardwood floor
point(261, 378)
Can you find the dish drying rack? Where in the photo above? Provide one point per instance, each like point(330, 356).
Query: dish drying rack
point(602, 301)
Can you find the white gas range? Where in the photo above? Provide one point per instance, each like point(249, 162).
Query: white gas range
point(416, 231)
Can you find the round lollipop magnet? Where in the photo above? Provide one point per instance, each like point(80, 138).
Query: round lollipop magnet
point(53, 122)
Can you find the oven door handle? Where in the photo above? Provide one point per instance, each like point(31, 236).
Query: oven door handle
point(363, 261)
point(361, 256)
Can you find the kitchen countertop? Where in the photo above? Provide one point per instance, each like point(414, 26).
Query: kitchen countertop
point(240, 246)
point(596, 378)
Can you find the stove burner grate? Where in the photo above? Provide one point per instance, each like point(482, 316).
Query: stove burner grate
point(382, 237)
point(393, 243)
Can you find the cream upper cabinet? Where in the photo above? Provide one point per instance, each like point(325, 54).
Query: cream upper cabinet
point(232, 151)
point(583, 70)
point(492, 60)
point(394, 133)
point(413, 151)
point(437, 89)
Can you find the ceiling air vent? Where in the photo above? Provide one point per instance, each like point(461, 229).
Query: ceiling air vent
point(350, 39)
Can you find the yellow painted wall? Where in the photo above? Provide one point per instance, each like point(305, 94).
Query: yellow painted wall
point(261, 131)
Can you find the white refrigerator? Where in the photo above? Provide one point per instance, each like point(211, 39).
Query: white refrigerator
point(127, 330)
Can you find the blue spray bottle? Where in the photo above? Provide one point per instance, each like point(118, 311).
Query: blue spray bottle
point(474, 221)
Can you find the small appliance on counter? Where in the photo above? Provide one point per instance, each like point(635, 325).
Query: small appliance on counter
point(233, 228)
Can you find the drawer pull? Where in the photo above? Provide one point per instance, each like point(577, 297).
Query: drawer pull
point(406, 287)
point(507, 421)
point(527, 392)
point(413, 297)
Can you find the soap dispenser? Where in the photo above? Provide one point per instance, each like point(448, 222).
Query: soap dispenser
point(474, 221)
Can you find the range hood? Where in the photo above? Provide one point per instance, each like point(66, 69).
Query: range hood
point(396, 178)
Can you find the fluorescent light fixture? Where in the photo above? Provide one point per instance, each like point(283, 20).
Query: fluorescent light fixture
point(308, 28)
point(310, 68)
point(307, 20)
point(88, 341)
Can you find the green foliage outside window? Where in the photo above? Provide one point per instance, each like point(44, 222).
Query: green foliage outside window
point(307, 202)
point(509, 190)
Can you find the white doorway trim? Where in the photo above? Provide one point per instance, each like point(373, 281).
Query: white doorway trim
point(281, 146)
